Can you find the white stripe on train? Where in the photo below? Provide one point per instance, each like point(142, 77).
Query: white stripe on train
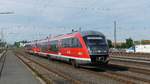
point(55, 55)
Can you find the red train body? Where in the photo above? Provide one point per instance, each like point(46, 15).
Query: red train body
point(78, 47)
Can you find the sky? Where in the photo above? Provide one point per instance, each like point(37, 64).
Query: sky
point(37, 19)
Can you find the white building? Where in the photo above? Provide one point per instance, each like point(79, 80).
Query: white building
point(139, 49)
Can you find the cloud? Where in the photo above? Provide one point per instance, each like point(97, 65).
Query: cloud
point(60, 16)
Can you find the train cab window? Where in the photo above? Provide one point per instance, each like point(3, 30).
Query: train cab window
point(71, 43)
point(95, 40)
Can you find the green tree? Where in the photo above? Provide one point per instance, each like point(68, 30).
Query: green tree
point(123, 45)
point(17, 44)
point(109, 43)
point(129, 43)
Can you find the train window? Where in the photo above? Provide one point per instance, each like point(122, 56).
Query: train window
point(65, 43)
point(53, 46)
point(44, 46)
point(38, 45)
point(71, 43)
point(76, 43)
point(28, 47)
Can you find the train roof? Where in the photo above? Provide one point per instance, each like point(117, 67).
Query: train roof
point(85, 33)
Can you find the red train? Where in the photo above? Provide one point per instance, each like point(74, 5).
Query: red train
point(78, 48)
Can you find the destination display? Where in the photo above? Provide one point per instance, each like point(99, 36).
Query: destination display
point(94, 38)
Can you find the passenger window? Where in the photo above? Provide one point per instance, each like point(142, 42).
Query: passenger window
point(71, 43)
point(53, 46)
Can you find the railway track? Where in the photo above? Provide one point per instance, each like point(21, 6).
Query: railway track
point(108, 76)
point(120, 74)
point(2, 61)
point(134, 64)
point(133, 69)
point(146, 55)
point(132, 59)
point(29, 62)
point(131, 62)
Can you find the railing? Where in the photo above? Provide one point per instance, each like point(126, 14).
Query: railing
point(128, 54)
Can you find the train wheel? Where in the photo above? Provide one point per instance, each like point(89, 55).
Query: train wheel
point(75, 64)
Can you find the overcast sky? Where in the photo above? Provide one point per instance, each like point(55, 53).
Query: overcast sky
point(35, 19)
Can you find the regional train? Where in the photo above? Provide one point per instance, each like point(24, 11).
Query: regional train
point(86, 47)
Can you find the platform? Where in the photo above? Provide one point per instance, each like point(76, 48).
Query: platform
point(15, 72)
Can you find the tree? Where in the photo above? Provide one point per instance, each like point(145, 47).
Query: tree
point(17, 44)
point(109, 43)
point(129, 43)
point(123, 45)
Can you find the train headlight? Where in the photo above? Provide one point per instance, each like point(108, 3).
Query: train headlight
point(89, 49)
point(105, 51)
point(99, 51)
point(80, 53)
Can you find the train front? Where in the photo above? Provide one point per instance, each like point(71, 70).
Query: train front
point(97, 46)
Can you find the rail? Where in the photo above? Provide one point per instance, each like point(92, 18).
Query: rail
point(66, 77)
point(2, 61)
point(123, 76)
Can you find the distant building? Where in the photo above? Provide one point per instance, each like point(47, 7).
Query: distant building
point(119, 43)
point(142, 42)
point(21, 44)
point(139, 49)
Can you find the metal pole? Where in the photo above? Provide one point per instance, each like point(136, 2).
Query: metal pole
point(2, 35)
point(115, 35)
